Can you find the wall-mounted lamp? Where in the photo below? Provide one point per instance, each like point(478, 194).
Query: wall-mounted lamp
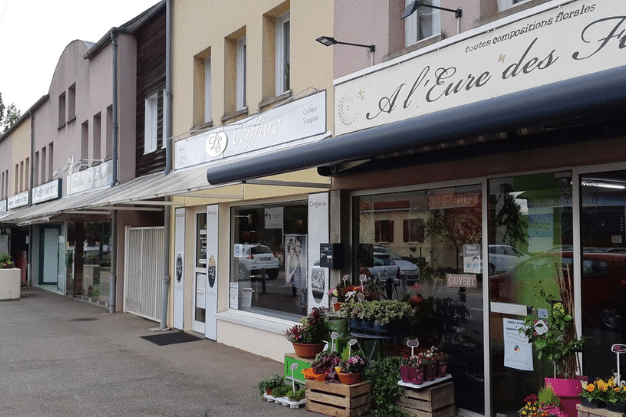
point(414, 5)
point(328, 41)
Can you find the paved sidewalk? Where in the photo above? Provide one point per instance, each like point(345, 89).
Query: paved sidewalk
point(63, 357)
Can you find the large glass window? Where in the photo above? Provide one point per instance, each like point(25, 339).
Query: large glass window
point(603, 242)
point(269, 259)
point(530, 248)
point(428, 243)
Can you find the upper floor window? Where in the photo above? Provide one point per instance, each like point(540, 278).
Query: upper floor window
point(241, 74)
point(505, 4)
point(207, 90)
point(282, 54)
point(71, 103)
point(151, 123)
point(422, 24)
point(62, 109)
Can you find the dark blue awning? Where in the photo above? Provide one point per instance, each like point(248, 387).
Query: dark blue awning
point(567, 99)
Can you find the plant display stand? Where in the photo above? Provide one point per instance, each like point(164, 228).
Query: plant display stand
point(596, 412)
point(303, 363)
point(338, 399)
point(431, 401)
point(285, 401)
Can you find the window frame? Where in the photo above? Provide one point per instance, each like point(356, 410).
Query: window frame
point(411, 24)
point(507, 4)
point(207, 90)
point(283, 53)
point(151, 120)
point(241, 73)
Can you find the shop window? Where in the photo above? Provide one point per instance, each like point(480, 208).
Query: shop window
point(384, 231)
point(431, 263)
point(422, 24)
point(269, 259)
point(88, 259)
point(283, 43)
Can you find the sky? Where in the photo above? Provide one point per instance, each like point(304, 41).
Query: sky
point(34, 33)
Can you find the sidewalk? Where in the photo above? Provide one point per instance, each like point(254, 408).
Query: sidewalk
point(63, 357)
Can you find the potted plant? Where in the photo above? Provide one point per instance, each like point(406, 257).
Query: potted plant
point(325, 363)
point(5, 261)
point(350, 371)
point(267, 385)
point(594, 394)
point(616, 396)
point(10, 276)
point(412, 369)
point(308, 336)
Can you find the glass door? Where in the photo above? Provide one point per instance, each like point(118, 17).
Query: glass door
point(199, 273)
point(530, 245)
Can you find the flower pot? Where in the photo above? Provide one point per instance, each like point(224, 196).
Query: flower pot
point(616, 407)
point(412, 375)
point(442, 369)
point(431, 371)
point(349, 378)
point(308, 350)
point(356, 325)
point(368, 327)
point(568, 390)
point(339, 325)
point(383, 329)
point(592, 403)
point(337, 306)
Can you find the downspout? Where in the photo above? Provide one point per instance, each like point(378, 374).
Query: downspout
point(29, 267)
point(167, 137)
point(112, 279)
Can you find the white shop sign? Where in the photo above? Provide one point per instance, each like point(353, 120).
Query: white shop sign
point(47, 192)
point(18, 200)
point(294, 121)
point(568, 41)
point(3, 206)
point(90, 179)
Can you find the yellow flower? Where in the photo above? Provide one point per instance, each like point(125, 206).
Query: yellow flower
point(590, 387)
point(602, 385)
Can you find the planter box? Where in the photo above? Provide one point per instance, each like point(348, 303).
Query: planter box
point(338, 399)
point(10, 285)
point(596, 412)
point(434, 401)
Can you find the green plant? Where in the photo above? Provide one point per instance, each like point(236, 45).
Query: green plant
point(311, 329)
point(5, 261)
point(297, 395)
point(281, 391)
point(325, 363)
point(270, 383)
point(547, 396)
point(384, 378)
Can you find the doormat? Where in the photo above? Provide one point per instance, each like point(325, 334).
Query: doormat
point(164, 339)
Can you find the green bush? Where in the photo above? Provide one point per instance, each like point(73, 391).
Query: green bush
point(384, 378)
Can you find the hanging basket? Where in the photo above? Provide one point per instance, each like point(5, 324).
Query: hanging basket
point(349, 378)
point(308, 350)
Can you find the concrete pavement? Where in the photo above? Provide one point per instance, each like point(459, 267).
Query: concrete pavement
point(63, 357)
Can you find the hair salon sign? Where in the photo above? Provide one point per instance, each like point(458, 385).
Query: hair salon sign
point(284, 124)
point(572, 40)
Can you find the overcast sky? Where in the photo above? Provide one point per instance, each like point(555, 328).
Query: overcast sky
point(34, 33)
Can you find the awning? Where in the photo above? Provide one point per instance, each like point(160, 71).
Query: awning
point(594, 93)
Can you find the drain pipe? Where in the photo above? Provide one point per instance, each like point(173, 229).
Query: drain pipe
point(115, 133)
point(167, 137)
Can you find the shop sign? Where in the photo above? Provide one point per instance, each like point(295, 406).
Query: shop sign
point(461, 280)
point(274, 218)
point(46, 192)
point(290, 123)
point(456, 200)
point(91, 178)
point(3, 206)
point(564, 42)
point(18, 200)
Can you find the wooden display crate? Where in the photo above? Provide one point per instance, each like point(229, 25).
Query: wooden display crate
point(338, 399)
point(434, 401)
point(596, 412)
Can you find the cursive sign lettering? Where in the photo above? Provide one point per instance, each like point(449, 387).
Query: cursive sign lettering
point(617, 22)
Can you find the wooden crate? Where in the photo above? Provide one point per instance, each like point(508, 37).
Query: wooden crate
point(338, 399)
point(434, 401)
point(596, 412)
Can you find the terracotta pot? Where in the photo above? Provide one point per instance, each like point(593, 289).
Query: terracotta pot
point(308, 350)
point(349, 378)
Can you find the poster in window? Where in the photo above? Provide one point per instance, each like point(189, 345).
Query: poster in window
point(518, 352)
point(296, 266)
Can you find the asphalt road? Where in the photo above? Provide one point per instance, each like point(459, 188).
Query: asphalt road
point(64, 357)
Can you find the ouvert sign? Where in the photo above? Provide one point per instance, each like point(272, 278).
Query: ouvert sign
point(561, 43)
point(299, 119)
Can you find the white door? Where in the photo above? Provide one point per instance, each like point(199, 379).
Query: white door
point(179, 275)
point(200, 273)
point(50, 255)
point(212, 247)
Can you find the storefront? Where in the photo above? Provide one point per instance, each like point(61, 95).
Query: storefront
point(492, 163)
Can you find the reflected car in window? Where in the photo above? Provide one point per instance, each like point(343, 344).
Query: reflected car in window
point(503, 258)
point(253, 259)
point(407, 269)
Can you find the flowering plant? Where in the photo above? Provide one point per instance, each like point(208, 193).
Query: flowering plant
point(311, 329)
point(555, 340)
point(533, 407)
point(354, 364)
point(607, 391)
point(325, 363)
point(345, 293)
point(5, 261)
point(411, 361)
